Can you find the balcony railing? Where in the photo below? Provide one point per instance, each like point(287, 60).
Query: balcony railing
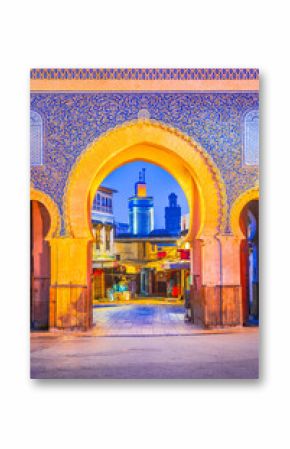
point(108, 210)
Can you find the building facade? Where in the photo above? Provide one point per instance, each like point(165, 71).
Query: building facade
point(103, 256)
point(201, 125)
point(156, 265)
point(102, 219)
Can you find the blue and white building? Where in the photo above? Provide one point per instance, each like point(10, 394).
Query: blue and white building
point(103, 226)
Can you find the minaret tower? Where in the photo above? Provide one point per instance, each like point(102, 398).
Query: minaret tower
point(173, 216)
point(141, 208)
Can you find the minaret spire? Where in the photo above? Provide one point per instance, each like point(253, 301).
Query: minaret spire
point(141, 208)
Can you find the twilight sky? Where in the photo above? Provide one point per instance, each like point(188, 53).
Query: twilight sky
point(159, 185)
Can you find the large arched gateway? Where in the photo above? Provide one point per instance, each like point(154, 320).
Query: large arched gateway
point(215, 271)
point(194, 124)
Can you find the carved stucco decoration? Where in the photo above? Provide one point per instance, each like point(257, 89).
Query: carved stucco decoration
point(123, 137)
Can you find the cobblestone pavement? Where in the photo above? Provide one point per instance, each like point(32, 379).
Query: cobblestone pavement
point(145, 342)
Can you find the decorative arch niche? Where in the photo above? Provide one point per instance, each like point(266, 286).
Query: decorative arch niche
point(251, 137)
point(36, 138)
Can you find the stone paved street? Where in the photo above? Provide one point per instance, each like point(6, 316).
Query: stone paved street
point(145, 342)
point(144, 318)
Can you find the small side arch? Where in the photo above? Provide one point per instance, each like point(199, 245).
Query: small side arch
point(38, 195)
point(239, 204)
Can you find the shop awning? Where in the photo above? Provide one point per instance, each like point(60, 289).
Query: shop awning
point(176, 265)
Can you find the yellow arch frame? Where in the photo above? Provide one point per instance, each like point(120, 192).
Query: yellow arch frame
point(157, 143)
point(38, 195)
point(238, 205)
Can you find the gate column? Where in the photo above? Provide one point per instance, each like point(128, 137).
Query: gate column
point(70, 295)
point(216, 299)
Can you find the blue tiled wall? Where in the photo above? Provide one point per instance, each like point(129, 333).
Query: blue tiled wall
point(73, 120)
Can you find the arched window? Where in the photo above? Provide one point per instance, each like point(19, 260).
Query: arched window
point(36, 138)
point(251, 138)
point(98, 199)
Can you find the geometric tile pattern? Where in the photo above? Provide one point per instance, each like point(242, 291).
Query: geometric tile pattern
point(145, 74)
point(36, 132)
point(251, 137)
point(71, 121)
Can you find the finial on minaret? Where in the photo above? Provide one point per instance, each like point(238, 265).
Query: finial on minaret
point(140, 185)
